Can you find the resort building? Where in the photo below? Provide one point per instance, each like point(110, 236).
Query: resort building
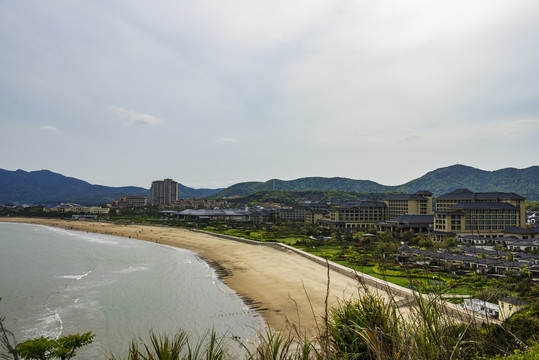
point(292, 214)
point(209, 214)
point(448, 200)
point(163, 192)
point(483, 307)
point(77, 209)
point(463, 212)
point(129, 202)
point(522, 232)
point(402, 223)
point(510, 305)
point(361, 214)
point(419, 203)
point(136, 201)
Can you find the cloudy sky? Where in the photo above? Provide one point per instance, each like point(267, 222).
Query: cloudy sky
point(211, 93)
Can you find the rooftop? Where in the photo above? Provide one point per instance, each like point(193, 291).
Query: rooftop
point(465, 194)
point(514, 301)
point(481, 205)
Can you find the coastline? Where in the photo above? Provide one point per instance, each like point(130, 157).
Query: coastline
point(286, 289)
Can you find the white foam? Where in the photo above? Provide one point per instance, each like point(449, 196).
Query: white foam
point(49, 325)
point(90, 237)
point(132, 269)
point(76, 277)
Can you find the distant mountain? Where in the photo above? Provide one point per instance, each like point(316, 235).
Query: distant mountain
point(521, 181)
point(47, 187)
point(185, 192)
point(303, 184)
point(524, 182)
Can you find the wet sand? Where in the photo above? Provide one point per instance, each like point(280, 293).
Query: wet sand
point(286, 288)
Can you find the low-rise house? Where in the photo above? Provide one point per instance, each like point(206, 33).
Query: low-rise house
point(483, 307)
point(210, 214)
point(532, 217)
point(415, 223)
point(472, 239)
point(522, 232)
point(510, 305)
point(77, 209)
point(523, 244)
point(480, 260)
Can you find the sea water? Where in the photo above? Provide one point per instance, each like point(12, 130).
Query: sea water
point(56, 282)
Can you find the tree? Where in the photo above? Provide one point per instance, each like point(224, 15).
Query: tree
point(44, 348)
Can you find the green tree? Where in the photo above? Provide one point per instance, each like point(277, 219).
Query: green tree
point(44, 348)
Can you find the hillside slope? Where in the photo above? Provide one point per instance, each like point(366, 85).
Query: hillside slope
point(440, 181)
point(47, 187)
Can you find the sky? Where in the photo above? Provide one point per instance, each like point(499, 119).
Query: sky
point(212, 93)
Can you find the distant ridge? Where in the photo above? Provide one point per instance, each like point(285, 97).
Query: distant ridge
point(47, 187)
point(440, 181)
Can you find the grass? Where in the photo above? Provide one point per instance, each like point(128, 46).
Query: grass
point(371, 328)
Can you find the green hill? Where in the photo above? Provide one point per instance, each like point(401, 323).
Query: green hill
point(47, 187)
point(440, 181)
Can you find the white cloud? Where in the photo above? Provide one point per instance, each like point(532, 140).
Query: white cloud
point(226, 140)
point(131, 117)
point(517, 128)
point(49, 129)
point(412, 138)
point(498, 130)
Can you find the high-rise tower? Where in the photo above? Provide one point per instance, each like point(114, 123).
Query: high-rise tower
point(163, 192)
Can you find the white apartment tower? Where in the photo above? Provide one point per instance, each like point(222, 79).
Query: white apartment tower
point(163, 192)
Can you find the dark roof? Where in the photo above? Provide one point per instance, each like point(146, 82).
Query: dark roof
point(214, 212)
point(519, 230)
point(484, 205)
point(514, 301)
point(424, 192)
point(523, 242)
point(462, 191)
point(331, 222)
point(363, 203)
point(405, 197)
point(423, 219)
point(465, 194)
point(446, 233)
point(318, 204)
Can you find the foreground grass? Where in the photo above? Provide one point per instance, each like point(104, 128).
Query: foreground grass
point(369, 328)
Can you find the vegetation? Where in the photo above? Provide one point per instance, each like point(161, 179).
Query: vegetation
point(532, 205)
point(370, 327)
point(163, 347)
point(43, 348)
point(46, 187)
point(439, 181)
point(295, 198)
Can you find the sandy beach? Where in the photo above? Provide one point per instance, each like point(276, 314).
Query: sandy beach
point(284, 287)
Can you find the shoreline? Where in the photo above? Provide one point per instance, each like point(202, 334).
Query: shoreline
point(285, 288)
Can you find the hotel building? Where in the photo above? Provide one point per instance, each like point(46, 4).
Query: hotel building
point(463, 212)
point(419, 203)
point(361, 214)
point(163, 192)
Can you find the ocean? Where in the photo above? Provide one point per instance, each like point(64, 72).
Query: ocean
point(56, 282)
